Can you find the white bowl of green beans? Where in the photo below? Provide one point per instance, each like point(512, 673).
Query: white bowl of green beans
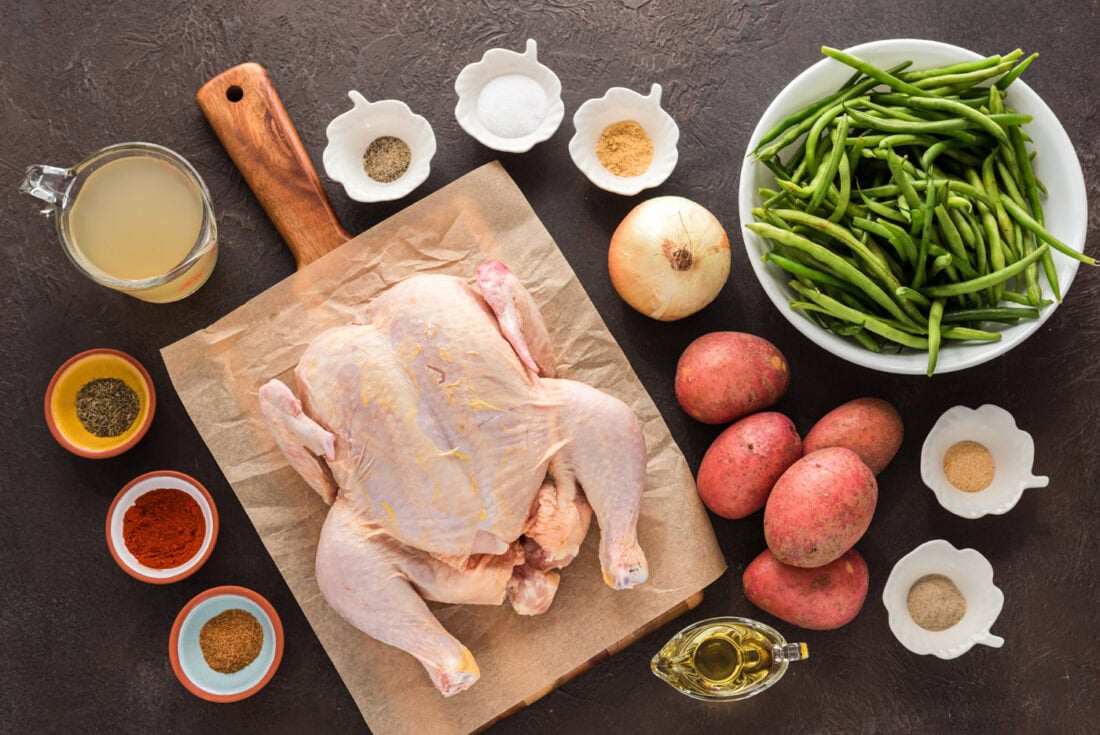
point(913, 207)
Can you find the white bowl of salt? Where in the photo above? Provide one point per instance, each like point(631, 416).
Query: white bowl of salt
point(942, 600)
point(508, 101)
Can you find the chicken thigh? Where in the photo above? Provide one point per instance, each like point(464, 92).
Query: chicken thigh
point(458, 469)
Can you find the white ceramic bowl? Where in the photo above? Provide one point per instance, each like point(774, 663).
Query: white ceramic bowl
point(1012, 449)
point(973, 576)
point(500, 62)
point(1056, 165)
point(116, 541)
point(617, 105)
point(186, 655)
point(350, 133)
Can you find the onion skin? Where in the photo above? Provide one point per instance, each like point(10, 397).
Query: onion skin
point(669, 258)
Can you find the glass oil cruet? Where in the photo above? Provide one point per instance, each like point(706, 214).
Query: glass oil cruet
point(725, 659)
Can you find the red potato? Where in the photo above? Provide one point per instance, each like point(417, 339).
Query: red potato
point(870, 427)
point(823, 598)
point(723, 376)
point(820, 507)
point(741, 466)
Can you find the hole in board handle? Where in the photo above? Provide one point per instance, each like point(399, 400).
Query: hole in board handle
point(234, 94)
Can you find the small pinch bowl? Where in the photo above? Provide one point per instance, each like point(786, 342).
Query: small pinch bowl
point(60, 403)
point(186, 655)
point(350, 133)
point(617, 105)
point(161, 479)
point(1013, 453)
point(495, 63)
point(973, 576)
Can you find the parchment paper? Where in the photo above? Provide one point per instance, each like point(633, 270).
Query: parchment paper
point(218, 371)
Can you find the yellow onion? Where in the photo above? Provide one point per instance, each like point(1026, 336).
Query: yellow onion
point(669, 258)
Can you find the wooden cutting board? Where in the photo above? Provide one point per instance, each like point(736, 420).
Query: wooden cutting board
point(249, 119)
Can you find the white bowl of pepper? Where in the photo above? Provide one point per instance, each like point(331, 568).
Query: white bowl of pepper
point(942, 600)
point(100, 403)
point(379, 151)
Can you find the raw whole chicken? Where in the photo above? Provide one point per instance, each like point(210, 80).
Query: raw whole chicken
point(458, 469)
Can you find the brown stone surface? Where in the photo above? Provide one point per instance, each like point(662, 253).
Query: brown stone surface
point(83, 647)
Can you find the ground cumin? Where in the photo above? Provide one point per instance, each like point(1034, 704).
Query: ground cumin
point(624, 149)
point(968, 466)
point(935, 603)
point(231, 640)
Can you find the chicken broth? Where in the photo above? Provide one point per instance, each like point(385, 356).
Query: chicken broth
point(136, 217)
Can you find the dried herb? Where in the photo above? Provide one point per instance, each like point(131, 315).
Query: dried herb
point(387, 159)
point(107, 406)
point(231, 640)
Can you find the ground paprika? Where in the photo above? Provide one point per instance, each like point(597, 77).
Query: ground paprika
point(164, 528)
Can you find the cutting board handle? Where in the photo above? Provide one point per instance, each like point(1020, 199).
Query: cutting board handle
point(249, 119)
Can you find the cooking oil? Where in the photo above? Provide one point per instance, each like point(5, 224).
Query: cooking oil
point(725, 659)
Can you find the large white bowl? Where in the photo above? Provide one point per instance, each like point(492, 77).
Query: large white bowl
point(1056, 166)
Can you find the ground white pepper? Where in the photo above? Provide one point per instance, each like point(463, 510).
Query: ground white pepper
point(969, 466)
point(387, 159)
point(625, 149)
point(935, 603)
point(231, 640)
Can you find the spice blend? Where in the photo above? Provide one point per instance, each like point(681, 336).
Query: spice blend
point(625, 149)
point(164, 528)
point(969, 466)
point(231, 640)
point(107, 406)
point(935, 603)
point(387, 159)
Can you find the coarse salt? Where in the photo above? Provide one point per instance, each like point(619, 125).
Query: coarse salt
point(512, 105)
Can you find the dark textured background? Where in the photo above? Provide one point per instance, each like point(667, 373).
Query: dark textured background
point(83, 647)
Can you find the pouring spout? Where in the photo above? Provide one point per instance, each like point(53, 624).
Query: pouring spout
point(48, 183)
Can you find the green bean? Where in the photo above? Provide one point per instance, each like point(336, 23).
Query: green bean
point(872, 71)
point(968, 78)
point(1027, 175)
point(799, 269)
point(994, 314)
point(1007, 79)
point(960, 68)
point(838, 264)
point(814, 136)
point(1016, 298)
point(908, 246)
point(830, 169)
point(845, 237)
point(925, 234)
point(969, 333)
point(844, 172)
point(787, 132)
point(935, 314)
point(941, 263)
point(1029, 224)
point(904, 292)
point(990, 279)
point(868, 321)
point(968, 113)
point(954, 240)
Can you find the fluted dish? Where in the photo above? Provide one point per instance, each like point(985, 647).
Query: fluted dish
point(1012, 449)
point(496, 63)
point(973, 576)
point(350, 133)
point(617, 105)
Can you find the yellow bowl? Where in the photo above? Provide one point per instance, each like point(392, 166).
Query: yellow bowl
point(61, 402)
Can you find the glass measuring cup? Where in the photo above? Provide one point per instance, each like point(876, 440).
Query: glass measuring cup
point(135, 217)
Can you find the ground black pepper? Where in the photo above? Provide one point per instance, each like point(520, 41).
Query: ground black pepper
point(107, 406)
point(387, 159)
point(231, 640)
